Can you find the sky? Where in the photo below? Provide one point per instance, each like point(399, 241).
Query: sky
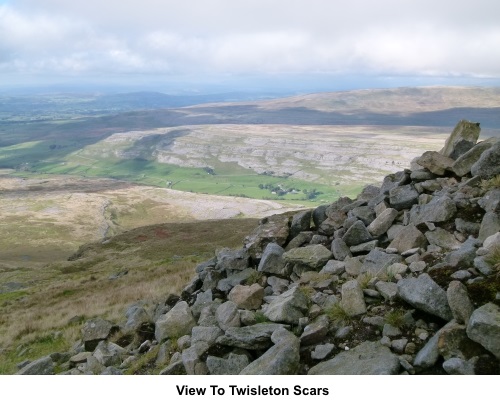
point(348, 43)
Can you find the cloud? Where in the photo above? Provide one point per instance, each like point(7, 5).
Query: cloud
point(203, 37)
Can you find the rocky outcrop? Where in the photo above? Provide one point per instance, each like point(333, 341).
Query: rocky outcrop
point(404, 279)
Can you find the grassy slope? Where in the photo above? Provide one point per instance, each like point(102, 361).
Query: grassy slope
point(160, 259)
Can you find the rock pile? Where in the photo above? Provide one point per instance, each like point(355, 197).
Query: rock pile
point(402, 280)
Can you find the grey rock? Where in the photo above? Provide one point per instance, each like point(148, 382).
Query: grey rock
point(388, 290)
point(435, 162)
point(353, 266)
point(464, 257)
point(191, 358)
point(442, 238)
point(230, 366)
point(488, 165)
point(457, 366)
point(490, 201)
point(319, 215)
point(333, 267)
point(42, 366)
point(357, 234)
point(300, 222)
point(462, 139)
point(460, 304)
point(112, 371)
point(288, 307)
point(136, 316)
point(207, 315)
point(235, 279)
point(378, 261)
point(364, 213)
point(340, 250)
point(272, 260)
point(393, 180)
point(343, 332)
point(177, 322)
point(352, 298)
point(423, 293)
point(417, 266)
point(212, 278)
point(94, 331)
point(369, 358)
point(403, 197)
point(247, 297)
point(321, 352)
point(390, 331)
point(393, 231)
point(429, 354)
point(421, 175)
point(207, 334)
point(364, 247)
point(409, 237)
point(184, 342)
point(399, 345)
point(464, 163)
point(466, 227)
point(272, 229)
point(302, 239)
point(440, 209)
point(315, 332)
point(313, 256)
point(227, 315)
point(383, 222)
point(484, 327)
point(492, 241)
point(461, 274)
point(254, 337)
point(228, 259)
point(281, 359)
point(109, 354)
point(489, 225)
point(279, 285)
point(176, 368)
point(202, 300)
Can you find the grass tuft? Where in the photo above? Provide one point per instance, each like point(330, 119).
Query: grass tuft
point(396, 318)
point(338, 315)
point(490, 184)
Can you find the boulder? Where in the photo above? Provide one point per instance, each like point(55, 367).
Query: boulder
point(488, 164)
point(272, 260)
point(271, 229)
point(464, 163)
point(408, 238)
point(247, 297)
point(288, 307)
point(253, 337)
point(440, 209)
point(357, 234)
point(207, 334)
point(281, 359)
point(378, 261)
point(442, 238)
point(383, 222)
point(177, 322)
point(462, 139)
point(240, 277)
point(300, 222)
point(109, 354)
point(364, 213)
point(232, 365)
point(42, 366)
point(435, 162)
point(484, 327)
point(227, 315)
point(94, 331)
point(312, 256)
point(423, 293)
point(403, 197)
point(459, 302)
point(369, 358)
point(353, 300)
point(315, 332)
point(229, 259)
point(340, 250)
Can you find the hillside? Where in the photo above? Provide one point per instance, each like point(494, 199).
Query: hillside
point(403, 279)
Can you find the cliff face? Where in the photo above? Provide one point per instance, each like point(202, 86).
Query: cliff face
point(403, 279)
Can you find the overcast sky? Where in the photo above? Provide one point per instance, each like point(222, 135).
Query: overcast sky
point(45, 41)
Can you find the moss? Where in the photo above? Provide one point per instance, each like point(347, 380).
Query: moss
point(484, 291)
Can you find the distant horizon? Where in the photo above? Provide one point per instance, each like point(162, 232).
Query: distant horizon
point(276, 85)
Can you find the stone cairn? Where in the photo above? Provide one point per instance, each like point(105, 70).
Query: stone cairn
point(402, 280)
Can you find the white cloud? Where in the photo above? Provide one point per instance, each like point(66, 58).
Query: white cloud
point(386, 37)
